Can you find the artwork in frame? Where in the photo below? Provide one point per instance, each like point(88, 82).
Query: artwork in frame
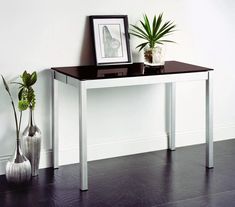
point(111, 39)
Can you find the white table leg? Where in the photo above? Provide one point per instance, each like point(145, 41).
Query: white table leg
point(55, 117)
point(171, 118)
point(209, 120)
point(83, 135)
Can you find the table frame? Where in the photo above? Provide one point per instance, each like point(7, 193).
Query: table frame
point(84, 85)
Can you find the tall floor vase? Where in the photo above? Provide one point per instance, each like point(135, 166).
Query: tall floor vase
point(18, 168)
point(31, 143)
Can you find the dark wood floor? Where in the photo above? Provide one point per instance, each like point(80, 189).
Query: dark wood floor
point(161, 178)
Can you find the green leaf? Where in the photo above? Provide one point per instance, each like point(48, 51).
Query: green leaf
point(30, 95)
point(157, 24)
point(139, 30)
point(13, 106)
point(18, 83)
point(166, 28)
point(167, 41)
point(5, 84)
point(20, 94)
point(165, 32)
point(23, 76)
point(23, 105)
point(154, 25)
point(26, 78)
point(163, 27)
point(146, 25)
point(141, 46)
point(138, 35)
point(33, 78)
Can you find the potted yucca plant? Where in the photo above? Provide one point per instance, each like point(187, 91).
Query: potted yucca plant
point(154, 34)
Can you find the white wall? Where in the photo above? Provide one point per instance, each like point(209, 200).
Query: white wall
point(37, 35)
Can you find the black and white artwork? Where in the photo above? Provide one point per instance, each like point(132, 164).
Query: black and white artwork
point(111, 39)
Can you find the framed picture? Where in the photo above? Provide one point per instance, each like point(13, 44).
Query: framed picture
point(111, 39)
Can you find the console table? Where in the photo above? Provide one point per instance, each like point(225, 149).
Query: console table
point(91, 77)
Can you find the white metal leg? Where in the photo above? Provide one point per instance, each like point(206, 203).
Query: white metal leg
point(55, 118)
point(209, 121)
point(83, 135)
point(171, 118)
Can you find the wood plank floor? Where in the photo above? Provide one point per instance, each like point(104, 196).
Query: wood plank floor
point(161, 178)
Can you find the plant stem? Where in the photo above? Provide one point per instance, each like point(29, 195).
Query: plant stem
point(20, 120)
point(16, 120)
point(13, 105)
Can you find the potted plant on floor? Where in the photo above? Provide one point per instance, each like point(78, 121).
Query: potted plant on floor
point(154, 35)
point(31, 137)
point(18, 168)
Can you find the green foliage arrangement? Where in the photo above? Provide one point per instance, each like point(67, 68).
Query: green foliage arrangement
point(153, 33)
point(26, 96)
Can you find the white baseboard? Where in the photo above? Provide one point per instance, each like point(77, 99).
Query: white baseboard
point(224, 132)
point(3, 160)
point(115, 149)
point(129, 146)
point(144, 144)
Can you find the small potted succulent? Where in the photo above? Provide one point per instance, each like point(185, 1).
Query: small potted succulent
point(153, 35)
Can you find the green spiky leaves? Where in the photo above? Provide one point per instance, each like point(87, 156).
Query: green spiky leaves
point(153, 33)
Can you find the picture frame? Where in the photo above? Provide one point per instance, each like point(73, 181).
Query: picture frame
point(110, 39)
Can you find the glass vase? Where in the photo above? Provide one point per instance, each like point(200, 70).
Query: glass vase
point(31, 143)
point(154, 56)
